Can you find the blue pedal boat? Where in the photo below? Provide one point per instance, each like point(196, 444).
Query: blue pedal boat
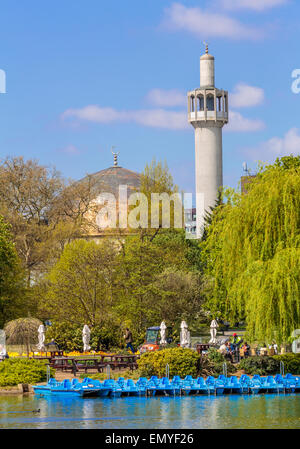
point(205, 387)
point(167, 388)
point(115, 390)
point(292, 382)
point(273, 386)
point(256, 384)
point(236, 386)
point(188, 385)
point(146, 386)
point(103, 391)
point(128, 386)
point(66, 388)
point(214, 386)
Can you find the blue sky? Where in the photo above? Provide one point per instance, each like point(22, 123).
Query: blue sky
point(83, 76)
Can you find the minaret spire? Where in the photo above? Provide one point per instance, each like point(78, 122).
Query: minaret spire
point(115, 156)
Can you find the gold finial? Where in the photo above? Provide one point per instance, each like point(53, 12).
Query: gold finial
point(115, 156)
point(206, 47)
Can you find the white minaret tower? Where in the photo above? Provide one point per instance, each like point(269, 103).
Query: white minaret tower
point(208, 113)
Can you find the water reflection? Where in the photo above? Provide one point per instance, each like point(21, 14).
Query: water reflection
point(261, 411)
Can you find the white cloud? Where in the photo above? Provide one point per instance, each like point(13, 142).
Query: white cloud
point(256, 5)
point(244, 96)
point(276, 147)
point(94, 113)
point(167, 98)
point(239, 123)
point(70, 149)
point(156, 118)
point(204, 23)
point(159, 118)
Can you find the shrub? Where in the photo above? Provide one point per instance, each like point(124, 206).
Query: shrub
point(291, 362)
point(216, 368)
point(181, 362)
point(215, 356)
point(260, 365)
point(23, 371)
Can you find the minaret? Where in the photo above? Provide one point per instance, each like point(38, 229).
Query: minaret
point(208, 113)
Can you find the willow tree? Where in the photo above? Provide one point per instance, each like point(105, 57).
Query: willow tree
point(252, 254)
point(23, 331)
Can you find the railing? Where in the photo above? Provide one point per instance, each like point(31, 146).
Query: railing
point(167, 371)
point(282, 368)
point(225, 369)
point(48, 373)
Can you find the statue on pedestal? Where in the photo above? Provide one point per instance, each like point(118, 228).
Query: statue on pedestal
point(86, 335)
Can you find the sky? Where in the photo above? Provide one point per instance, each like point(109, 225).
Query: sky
point(82, 77)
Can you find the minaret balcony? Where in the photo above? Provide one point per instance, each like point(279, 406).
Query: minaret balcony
point(203, 116)
point(208, 105)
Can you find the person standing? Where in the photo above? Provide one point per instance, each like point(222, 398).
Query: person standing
point(128, 340)
point(236, 341)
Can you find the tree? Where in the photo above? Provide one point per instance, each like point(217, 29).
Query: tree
point(43, 209)
point(12, 290)
point(158, 186)
point(153, 278)
point(252, 255)
point(178, 296)
point(138, 262)
point(79, 287)
point(23, 331)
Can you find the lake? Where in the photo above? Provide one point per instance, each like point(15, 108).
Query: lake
point(270, 411)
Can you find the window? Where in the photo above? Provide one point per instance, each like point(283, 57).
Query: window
point(219, 104)
point(200, 103)
point(210, 106)
point(192, 104)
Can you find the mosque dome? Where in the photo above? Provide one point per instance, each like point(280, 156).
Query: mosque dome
point(109, 180)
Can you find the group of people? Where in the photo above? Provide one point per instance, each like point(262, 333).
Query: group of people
point(231, 348)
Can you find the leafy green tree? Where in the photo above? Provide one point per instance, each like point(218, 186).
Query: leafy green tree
point(252, 255)
point(12, 291)
point(156, 281)
point(178, 296)
point(80, 285)
point(156, 180)
point(138, 262)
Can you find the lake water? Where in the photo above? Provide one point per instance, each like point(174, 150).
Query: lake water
point(197, 412)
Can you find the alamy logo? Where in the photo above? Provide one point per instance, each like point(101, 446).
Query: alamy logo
point(2, 82)
point(296, 83)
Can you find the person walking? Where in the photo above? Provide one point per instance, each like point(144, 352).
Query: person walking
point(129, 340)
point(236, 341)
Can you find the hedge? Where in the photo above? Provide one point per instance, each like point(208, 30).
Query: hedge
point(182, 362)
point(291, 362)
point(23, 371)
point(271, 365)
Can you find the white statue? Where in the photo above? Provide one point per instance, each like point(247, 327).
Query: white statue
point(41, 332)
point(213, 331)
point(2, 344)
point(163, 328)
point(184, 335)
point(86, 334)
